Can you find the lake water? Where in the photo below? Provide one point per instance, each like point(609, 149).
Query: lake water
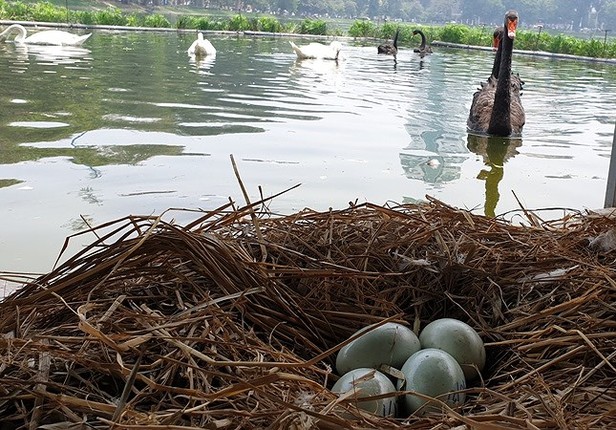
point(129, 124)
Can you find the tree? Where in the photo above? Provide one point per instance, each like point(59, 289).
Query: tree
point(533, 11)
point(350, 8)
point(608, 15)
point(412, 11)
point(392, 8)
point(443, 10)
point(374, 8)
point(571, 12)
point(288, 5)
point(310, 7)
point(482, 11)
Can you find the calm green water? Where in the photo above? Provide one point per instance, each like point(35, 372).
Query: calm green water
point(129, 124)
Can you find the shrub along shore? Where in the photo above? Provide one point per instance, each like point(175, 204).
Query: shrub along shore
point(455, 35)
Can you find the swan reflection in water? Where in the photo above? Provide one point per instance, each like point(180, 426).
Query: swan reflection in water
point(49, 53)
point(319, 67)
point(202, 65)
point(496, 151)
point(313, 73)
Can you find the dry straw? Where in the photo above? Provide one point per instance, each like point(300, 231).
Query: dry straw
point(227, 323)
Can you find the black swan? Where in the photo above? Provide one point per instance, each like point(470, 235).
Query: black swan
point(423, 48)
point(496, 108)
point(390, 48)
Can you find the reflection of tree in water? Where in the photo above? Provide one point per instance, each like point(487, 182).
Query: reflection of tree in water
point(130, 154)
point(436, 150)
point(87, 194)
point(495, 152)
point(434, 158)
point(84, 222)
point(90, 156)
point(9, 182)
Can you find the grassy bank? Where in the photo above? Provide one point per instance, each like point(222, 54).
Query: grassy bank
point(82, 12)
point(457, 33)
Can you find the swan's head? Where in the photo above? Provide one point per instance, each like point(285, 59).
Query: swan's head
point(511, 23)
point(200, 36)
point(416, 32)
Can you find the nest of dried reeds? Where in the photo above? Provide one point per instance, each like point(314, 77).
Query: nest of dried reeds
point(234, 322)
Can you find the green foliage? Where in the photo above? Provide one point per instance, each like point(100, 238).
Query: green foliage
point(134, 21)
point(186, 21)
point(406, 34)
point(156, 20)
point(268, 23)
point(562, 44)
point(528, 40)
point(481, 36)
point(454, 33)
point(199, 23)
point(363, 28)
point(239, 23)
point(204, 23)
point(313, 26)
point(110, 16)
point(46, 12)
point(388, 30)
point(290, 27)
point(594, 48)
point(18, 10)
point(610, 50)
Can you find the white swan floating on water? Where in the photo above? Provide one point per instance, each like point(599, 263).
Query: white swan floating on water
point(201, 47)
point(45, 37)
point(317, 50)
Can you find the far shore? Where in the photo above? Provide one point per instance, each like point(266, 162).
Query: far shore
point(542, 54)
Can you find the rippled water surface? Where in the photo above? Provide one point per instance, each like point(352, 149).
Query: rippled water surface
point(129, 124)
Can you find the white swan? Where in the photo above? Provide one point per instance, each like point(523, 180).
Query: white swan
point(46, 37)
point(201, 47)
point(317, 50)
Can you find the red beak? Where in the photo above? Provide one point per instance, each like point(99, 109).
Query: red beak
point(512, 25)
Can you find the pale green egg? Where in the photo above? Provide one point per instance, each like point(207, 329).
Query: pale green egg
point(458, 339)
point(435, 373)
point(366, 382)
point(390, 344)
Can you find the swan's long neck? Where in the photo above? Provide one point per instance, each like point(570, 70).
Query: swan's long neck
point(422, 46)
point(497, 57)
point(396, 38)
point(500, 121)
point(21, 32)
point(497, 60)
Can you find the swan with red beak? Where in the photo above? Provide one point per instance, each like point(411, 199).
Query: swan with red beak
point(497, 108)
